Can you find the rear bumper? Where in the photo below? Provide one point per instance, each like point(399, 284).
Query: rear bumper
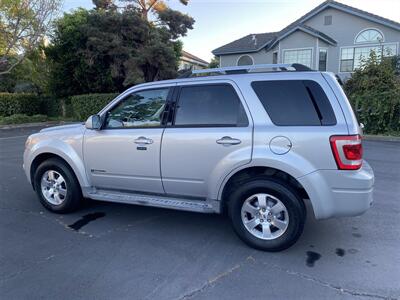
point(336, 193)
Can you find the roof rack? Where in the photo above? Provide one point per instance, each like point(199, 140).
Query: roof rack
point(247, 69)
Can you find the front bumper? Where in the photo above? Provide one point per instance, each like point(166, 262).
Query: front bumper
point(339, 193)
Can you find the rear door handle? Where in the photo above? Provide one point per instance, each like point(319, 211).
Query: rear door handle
point(143, 141)
point(227, 140)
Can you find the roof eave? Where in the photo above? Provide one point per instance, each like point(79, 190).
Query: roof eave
point(356, 13)
point(331, 42)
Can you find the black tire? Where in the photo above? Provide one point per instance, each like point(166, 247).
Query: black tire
point(73, 197)
point(286, 194)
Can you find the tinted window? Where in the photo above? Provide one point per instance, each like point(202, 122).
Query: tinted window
point(140, 109)
point(209, 105)
point(295, 102)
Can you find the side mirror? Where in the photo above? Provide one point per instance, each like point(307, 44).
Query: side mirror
point(93, 122)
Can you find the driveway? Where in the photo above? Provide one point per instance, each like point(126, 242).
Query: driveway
point(115, 251)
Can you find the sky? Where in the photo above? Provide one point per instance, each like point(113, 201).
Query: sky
point(219, 22)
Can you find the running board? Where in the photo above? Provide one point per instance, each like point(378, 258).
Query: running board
point(155, 201)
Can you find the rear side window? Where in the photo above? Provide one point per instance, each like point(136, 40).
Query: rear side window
point(295, 102)
point(209, 105)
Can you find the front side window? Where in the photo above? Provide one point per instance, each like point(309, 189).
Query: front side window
point(303, 57)
point(369, 36)
point(209, 105)
point(139, 109)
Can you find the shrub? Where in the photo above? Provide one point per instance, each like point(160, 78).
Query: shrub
point(22, 118)
point(10, 104)
point(85, 105)
point(374, 92)
point(51, 106)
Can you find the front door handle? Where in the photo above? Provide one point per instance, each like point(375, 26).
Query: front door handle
point(227, 140)
point(143, 141)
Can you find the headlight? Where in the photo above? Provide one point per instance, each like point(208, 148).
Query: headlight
point(29, 142)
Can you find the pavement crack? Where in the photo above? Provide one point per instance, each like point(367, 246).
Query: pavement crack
point(340, 289)
point(35, 264)
point(213, 281)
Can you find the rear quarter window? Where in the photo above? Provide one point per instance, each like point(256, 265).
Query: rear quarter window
point(295, 102)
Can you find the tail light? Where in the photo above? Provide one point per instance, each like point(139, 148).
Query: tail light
point(347, 150)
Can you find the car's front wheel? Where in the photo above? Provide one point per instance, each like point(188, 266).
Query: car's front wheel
point(267, 214)
point(57, 187)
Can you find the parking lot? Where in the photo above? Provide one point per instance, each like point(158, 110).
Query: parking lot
point(116, 251)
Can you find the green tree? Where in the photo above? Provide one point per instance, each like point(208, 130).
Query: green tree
point(107, 50)
point(146, 7)
point(104, 4)
point(23, 26)
point(374, 92)
point(214, 63)
point(67, 64)
point(31, 75)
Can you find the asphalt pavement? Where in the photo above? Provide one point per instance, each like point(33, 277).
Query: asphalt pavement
point(116, 251)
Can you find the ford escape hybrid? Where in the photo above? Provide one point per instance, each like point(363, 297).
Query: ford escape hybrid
point(255, 142)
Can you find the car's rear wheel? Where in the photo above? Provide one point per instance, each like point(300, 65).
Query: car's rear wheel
point(57, 187)
point(267, 214)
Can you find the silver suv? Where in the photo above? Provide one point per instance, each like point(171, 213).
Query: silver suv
point(255, 142)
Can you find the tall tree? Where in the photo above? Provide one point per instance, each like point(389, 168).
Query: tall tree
point(148, 6)
point(107, 50)
point(23, 26)
point(104, 4)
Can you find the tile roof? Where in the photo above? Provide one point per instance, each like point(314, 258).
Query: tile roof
point(246, 44)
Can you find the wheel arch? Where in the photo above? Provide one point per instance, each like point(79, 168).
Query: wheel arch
point(252, 171)
point(46, 156)
point(64, 152)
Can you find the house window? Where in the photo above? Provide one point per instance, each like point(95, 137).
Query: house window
point(369, 36)
point(328, 20)
point(245, 60)
point(323, 57)
point(303, 56)
point(275, 57)
point(351, 58)
point(347, 60)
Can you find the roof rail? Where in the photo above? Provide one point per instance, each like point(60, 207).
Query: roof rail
point(247, 69)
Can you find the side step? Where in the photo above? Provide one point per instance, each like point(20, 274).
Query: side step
point(153, 200)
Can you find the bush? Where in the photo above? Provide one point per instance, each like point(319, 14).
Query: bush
point(52, 107)
point(85, 105)
point(374, 92)
point(21, 118)
point(10, 104)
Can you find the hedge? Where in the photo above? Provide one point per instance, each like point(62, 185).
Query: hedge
point(52, 107)
point(85, 105)
point(29, 104)
point(19, 103)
